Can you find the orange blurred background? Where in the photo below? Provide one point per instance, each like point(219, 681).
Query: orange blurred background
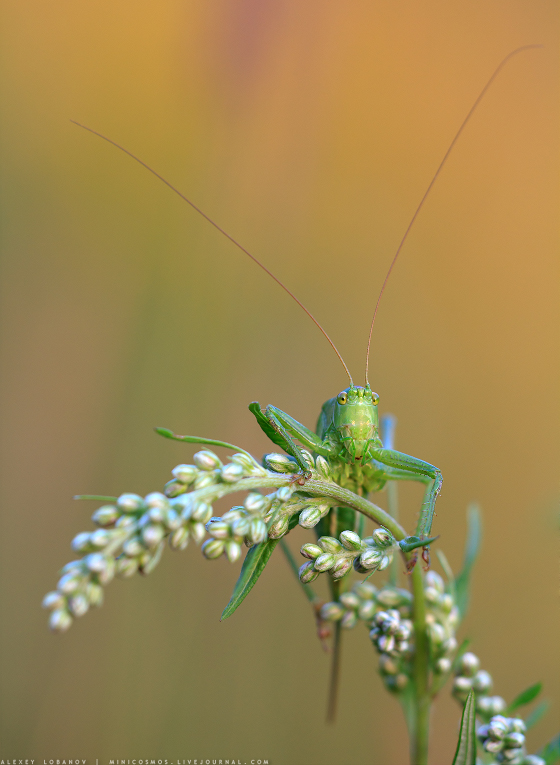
point(309, 131)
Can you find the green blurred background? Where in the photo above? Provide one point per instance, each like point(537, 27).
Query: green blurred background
point(309, 130)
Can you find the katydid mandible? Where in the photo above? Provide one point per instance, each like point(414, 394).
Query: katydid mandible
point(347, 433)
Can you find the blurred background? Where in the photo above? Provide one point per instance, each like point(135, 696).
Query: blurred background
point(309, 131)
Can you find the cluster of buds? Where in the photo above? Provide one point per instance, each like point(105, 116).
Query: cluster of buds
point(208, 470)
point(281, 463)
point(131, 532)
point(468, 677)
point(442, 619)
point(391, 633)
point(504, 737)
point(356, 605)
point(337, 556)
point(242, 524)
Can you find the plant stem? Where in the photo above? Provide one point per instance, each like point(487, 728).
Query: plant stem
point(308, 590)
point(419, 734)
point(335, 662)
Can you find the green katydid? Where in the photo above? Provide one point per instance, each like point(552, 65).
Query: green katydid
point(347, 433)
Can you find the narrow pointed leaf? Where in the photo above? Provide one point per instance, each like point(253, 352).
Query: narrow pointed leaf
point(253, 566)
point(466, 746)
point(524, 698)
point(551, 752)
point(537, 714)
point(166, 433)
point(474, 534)
point(265, 425)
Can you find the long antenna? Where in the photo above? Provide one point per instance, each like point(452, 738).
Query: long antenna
point(442, 163)
point(221, 230)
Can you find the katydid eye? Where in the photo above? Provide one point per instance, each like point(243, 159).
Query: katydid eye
point(374, 398)
point(342, 398)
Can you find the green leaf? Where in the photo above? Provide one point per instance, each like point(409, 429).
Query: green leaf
point(96, 497)
point(166, 433)
point(269, 431)
point(253, 566)
point(551, 752)
point(448, 571)
point(466, 746)
point(474, 534)
point(524, 698)
point(536, 714)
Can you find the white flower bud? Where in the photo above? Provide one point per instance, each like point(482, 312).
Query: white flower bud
point(309, 517)
point(386, 643)
point(156, 499)
point(307, 573)
point(60, 620)
point(78, 605)
point(332, 612)
point(433, 579)
point(280, 463)
point(279, 526)
point(247, 463)
point(385, 561)
point(201, 512)
point(94, 594)
point(330, 545)
point(53, 600)
point(204, 479)
point(469, 664)
point(371, 559)
point(311, 551)
point(366, 610)
point(179, 539)
point(341, 568)
point(212, 548)
point(257, 531)
point(462, 685)
point(514, 740)
point(365, 590)
point(324, 562)
point(105, 516)
point(349, 600)
point(517, 725)
point(126, 567)
point(207, 460)
point(149, 560)
point(256, 503)
point(232, 473)
point(387, 665)
point(197, 532)
point(70, 582)
point(101, 538)
point(133, 547)
point(431, 595)
point(233, 551)
point(349, 620)
point(322, 467)
point(152, 535)
point(129, 503)
point(184, 474)
point(125, 522)
point(436, 633)
point(443, 665)
point(482, 681)
point(81, 542)
point(446, 603)
point(382, 538)
point(284, 493)
point(351, 541)
point(449, 646)
point(218, 529)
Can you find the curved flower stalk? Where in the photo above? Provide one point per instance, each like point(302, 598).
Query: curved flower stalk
point(132, 530)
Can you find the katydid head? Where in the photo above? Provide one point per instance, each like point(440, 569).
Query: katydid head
point(356, 420)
